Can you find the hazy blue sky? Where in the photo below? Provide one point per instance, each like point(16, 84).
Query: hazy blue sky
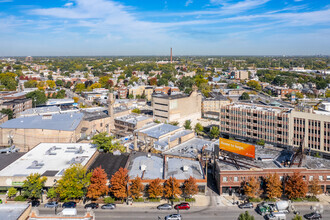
point(151, 27)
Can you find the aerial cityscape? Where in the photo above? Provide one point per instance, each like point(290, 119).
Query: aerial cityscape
point(215, 109)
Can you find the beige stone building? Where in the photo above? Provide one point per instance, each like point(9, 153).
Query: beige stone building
point(26, 132)
point(278, 126)
point(141, 90)
point(178, 107)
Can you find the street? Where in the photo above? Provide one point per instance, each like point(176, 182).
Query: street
point(210, 213)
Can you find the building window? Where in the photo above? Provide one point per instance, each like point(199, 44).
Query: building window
point(321, 178)
point(235, 179)
point(328, 177)
point(224, 179)
point(311, 178)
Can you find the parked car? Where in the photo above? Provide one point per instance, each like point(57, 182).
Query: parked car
point(313, 215)
point(69, 205)
point(247, 205)
point(108, 206)
point(173, 217)
point(165, 206)
point(92, 205)
point(51, 205)
point(69, 212)
point(183, 205)
point(35, 203)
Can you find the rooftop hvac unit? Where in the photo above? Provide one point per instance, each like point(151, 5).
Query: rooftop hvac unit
point(149, 155)
point(143, 167)
point(185, 168)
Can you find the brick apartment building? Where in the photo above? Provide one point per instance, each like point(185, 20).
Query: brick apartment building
point(16, 105)
point(278, 126)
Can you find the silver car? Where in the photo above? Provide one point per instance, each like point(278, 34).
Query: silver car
point(165, 206)
point(51, 205)
point(173, 217)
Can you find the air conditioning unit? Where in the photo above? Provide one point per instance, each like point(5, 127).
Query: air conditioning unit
point(185, 168)
point(143, 167)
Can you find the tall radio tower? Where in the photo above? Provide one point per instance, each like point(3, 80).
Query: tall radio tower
point(171, 55)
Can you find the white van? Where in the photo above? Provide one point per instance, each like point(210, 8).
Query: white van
point(276, 216)
point(69, 212)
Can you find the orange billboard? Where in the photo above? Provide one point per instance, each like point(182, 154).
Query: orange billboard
point(236, 147)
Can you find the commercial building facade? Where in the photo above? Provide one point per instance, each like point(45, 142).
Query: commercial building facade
point(278, 126)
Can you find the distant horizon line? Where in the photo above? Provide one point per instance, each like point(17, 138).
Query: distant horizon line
point(316, 55)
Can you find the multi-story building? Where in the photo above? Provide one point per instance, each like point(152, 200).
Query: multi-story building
point(278, 126)
point(141, 91)
point(178, 107)
point(212, 104)
point(17, 105)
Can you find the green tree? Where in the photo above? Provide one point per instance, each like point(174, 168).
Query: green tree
point(107, 143)
point(261, 142)
point(38, 97)
point(8, 80)
point(245, 96)
point(232, 86)
point(297, 217)
point(33, 185)
point(199, 128)
point(79, 87)
point(214, 132)
point(8, 112)
point(73, 183)
point(51, 194)
point(30, 84)
point(59, 82)
point(187, 125)
point(254, 84)
point(12, 192)
point(245, 216)
point(136, 110)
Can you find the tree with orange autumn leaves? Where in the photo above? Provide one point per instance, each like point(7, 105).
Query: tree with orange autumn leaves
point(119, 183)
point(136, 188)
point(296, 187)
point(252, 187)
point(172, 188)
point(190, 187)
point(273, 186)
point(155, 189)
point(98, 184)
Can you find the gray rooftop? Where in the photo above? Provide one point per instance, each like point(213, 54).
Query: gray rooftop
point(63, 122)
point(12, 211)
point(271, 158)
point(146, 167)
point(158, 130)
point(164, 141)
point(132, 118)
point(41, 111)
point(183, 169)
point(190, 148)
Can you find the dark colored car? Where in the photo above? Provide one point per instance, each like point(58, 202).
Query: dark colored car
point(313, 215)
point(35, 203)
point(51, 205)
point(108, 206)
point(69, 205)
point(247, 205)
point(183, 205)
point(92, 205)
point(165, 206)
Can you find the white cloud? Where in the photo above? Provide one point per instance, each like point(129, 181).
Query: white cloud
point(69, 4)
point(188, 2)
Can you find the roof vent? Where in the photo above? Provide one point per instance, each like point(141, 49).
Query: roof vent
point(143, 167)
point(149, 155)
point(185, 168)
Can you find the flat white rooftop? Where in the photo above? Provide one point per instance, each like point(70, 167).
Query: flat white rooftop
point(50, 159)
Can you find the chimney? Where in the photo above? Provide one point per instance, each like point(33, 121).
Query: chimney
point(171, 55)
point(111, 101)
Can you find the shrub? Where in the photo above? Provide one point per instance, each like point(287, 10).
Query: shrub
point(138, 200)
point(255, 200)
point(154, 200)
point(190, 200)
point(12, 192)
point(108, 200)
point(20, 199)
